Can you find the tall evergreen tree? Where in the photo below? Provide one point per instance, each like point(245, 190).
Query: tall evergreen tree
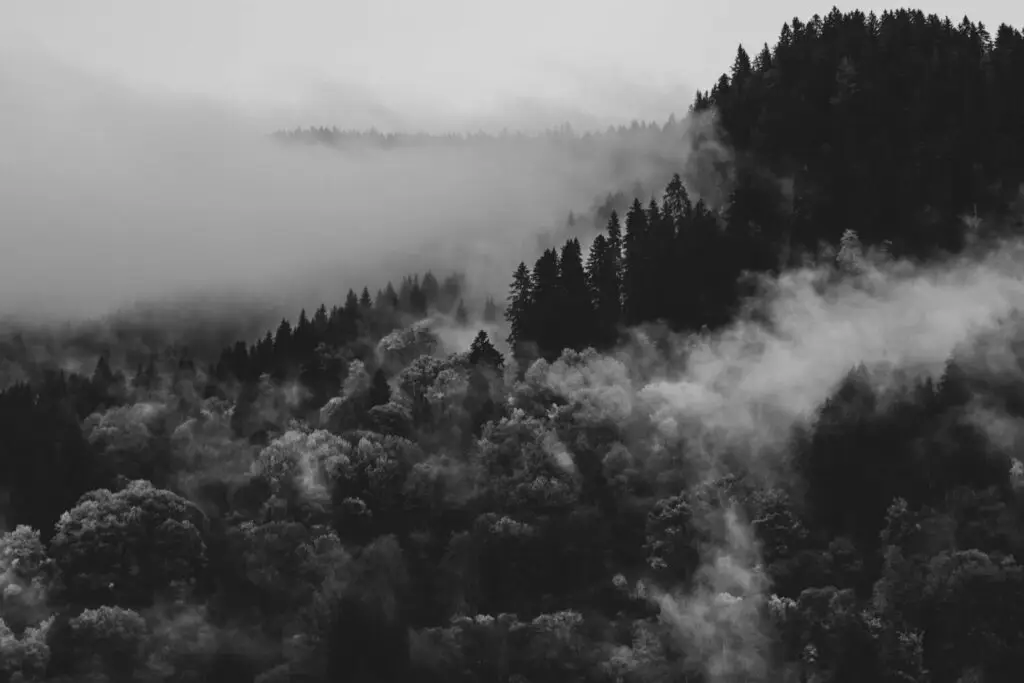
point(635, 265)
point(577, 324)
point(482, 351)
point(519, 311)
point(546, 310)
point(677, 206)
point(605, 290)
point(431, 289)
point(615, 244)
point(417, 301)
point(352, 303)
point(490, 311)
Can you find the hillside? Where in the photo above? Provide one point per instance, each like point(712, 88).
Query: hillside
point(763, 426)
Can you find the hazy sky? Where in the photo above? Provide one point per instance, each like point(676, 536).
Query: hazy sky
point(610, 58)
point(134, 161)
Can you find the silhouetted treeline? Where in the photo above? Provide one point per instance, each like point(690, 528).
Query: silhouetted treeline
point(890, 125)
point(375, 139)
point(895, 128)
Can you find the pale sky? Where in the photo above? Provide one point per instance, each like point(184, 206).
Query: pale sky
point(134, 161)
point(611, 58)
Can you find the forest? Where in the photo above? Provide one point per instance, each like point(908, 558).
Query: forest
point(773, 437)
point(349, 139)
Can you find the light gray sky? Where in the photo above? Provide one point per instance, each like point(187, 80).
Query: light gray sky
point(611, 58)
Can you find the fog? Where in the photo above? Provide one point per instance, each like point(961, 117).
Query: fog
point(109, 196)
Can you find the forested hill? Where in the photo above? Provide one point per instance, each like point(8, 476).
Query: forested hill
point(900, 132)
point(772, 439)
point(374, 139)
point(892, 126)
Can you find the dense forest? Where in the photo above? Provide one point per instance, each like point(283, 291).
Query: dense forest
point(348, 139)
point(662, 458)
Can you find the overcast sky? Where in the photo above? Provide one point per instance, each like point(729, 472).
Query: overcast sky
point(134, 161)
point(613, 59)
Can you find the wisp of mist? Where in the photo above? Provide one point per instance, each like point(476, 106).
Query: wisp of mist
point(110, 196)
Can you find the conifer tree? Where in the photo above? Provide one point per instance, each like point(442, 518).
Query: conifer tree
point(320, 321)
point(431, 289)
point(482, 351)
point(546, 311)
point(676, 204)
point(490, 311)
point(614, 229)
point(578, 323)
point(102, 375)
point(417, 301)
point(635, 265)
point(519, 311)
point(392, 299)
point(283, 339)
point(451, 290)
point(605, 290)
point(352, 303)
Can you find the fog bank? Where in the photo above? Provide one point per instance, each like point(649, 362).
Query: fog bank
point(111, 196)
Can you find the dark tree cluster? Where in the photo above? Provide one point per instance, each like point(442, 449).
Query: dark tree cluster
point(309, 349)
point(893, 127)
point(341, 500)
point(669, 262)
point(374, 139)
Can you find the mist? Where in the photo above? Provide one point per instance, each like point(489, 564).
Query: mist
point(111, 196)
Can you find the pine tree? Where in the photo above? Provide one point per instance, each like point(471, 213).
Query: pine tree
point(482, 351)
point(283, 350)
point(461, 314)
point(392, 300)
point(614, 229)
point(451, 290)
point(264, 360)
point(404, 294)
point(320, 322)
point(303, 336)
point(417, 301)
point(431, 289)
point(546, 311)
point(365, 303)
point(635, 265)
point(763, 61)
point(519, 311)
point(102, 375)
point(661, 265)
point(490, 311)
point(741, 68)
point(352, 303)
point(283, 339)
point(605, 290)
point(577, 322)
point(677, 206)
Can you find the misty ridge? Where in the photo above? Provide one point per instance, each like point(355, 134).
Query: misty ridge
point(133, 197)
point(752, 412)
